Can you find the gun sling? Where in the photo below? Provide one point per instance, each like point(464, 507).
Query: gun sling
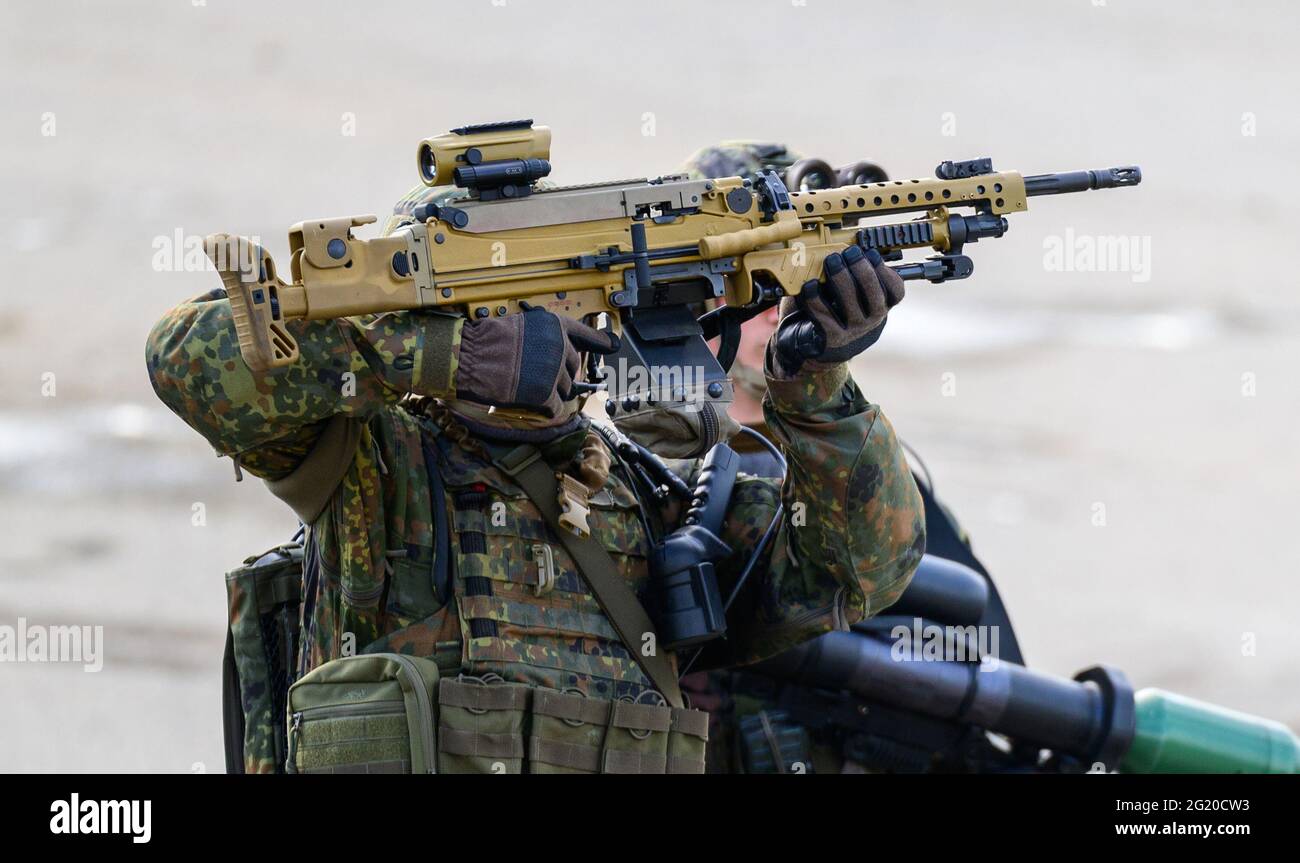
point(526, 465)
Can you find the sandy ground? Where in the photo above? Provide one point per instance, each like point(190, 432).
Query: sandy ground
point(1163, 398)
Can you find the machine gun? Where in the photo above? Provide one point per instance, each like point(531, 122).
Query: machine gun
point(645, 254)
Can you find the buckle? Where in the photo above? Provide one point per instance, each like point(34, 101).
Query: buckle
point(573, 499)
point(546, 572)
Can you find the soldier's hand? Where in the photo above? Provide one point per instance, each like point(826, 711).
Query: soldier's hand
point(531, 360)
point(839, 317)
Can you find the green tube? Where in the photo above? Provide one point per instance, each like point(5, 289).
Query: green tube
point(1176, 734)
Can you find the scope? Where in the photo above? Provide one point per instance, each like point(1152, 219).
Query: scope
point(491, 160)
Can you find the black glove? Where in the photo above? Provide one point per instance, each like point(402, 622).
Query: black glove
point(530, 360)
point(839, 317)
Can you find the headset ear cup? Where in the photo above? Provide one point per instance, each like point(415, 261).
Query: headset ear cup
point(810, 174)
point(861, 172)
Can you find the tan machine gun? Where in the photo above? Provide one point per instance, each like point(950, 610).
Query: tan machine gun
point(647, 254)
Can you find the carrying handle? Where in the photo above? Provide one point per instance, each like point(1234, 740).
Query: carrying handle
point(786, 227)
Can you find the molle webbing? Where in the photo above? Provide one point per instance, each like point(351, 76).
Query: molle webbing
point(620, 604)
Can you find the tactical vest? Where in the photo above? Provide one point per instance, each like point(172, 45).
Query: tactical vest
point(527, 671)
point(525, 612)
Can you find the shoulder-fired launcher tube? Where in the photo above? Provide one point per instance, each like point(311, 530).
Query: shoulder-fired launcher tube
point(1002, 697)
point(1094, 717)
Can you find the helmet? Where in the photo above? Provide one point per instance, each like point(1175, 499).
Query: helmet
point(748, 159)
point(421, 194)
point(739, 158)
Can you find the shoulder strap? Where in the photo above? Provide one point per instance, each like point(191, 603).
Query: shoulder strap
point(624, 610)
point(438, 504)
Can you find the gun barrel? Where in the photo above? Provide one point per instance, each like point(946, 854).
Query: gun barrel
point(1082, 181)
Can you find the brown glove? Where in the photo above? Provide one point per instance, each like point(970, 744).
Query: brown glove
point(839, 317)
point(530, 360)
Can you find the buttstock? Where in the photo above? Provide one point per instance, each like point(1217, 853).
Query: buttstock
point(253, 288)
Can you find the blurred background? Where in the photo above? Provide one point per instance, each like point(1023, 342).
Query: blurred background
point(1120, 443)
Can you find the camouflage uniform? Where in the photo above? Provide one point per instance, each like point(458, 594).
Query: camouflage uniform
point(858, 538)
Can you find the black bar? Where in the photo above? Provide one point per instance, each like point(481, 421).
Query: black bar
point(992, 813)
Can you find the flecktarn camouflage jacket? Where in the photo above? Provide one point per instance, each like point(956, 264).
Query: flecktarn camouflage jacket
point(852, 533)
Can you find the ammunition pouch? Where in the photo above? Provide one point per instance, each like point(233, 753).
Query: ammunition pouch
point(568, 732)
point(481, 725)
point(383, 712)
point(655, 738)
point(388, 713)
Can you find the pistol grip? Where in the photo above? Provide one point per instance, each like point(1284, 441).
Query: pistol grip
point(253, 289)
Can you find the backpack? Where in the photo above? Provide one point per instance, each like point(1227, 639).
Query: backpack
point(262, 639)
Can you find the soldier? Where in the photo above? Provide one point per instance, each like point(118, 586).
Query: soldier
point(386, 438)
point(748, 159)
point(740, 716)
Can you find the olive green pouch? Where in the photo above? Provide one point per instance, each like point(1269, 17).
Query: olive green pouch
point(261, 654)
point(568, 732)
point(372, 713)
point(688, 738)
point(481, 725)
point(637, 739)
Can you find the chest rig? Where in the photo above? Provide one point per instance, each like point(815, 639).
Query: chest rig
point(525, 610)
